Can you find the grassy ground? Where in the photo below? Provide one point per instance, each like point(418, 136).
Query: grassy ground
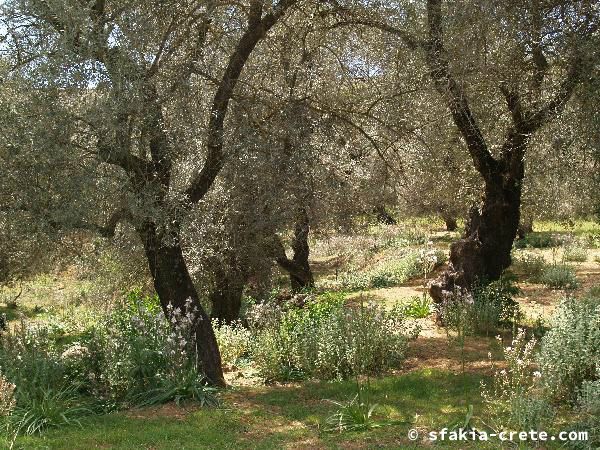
point(290, 416)
point(429, 393)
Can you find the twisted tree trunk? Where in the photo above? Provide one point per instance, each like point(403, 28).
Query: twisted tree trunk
point(226, 297)
point(484, 251)
point(298, 267)
point(174, 287)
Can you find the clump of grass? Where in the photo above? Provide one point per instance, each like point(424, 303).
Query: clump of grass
point(352, 415)
point(47, 407)
point(559, 276)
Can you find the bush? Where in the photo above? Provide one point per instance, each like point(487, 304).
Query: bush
point(511, 399)
point(559, 276)
point(7, 397)
point(536, 240)
point(570, 350)
point(494, 305)
point(484, 309)
point(530, 265)
point(132, 356)
point(393, 273)
point(588, 403)
point(575, 254)
point(328, 340)
point(233, 340)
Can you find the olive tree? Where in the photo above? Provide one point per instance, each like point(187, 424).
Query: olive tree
point(122, 70)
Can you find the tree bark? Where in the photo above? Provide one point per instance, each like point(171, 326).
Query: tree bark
point(304, 278)
point(450, 222)
point(383, 216)
point(298, 267)
point(174, 287)
point(226, 297)
point(525, 227)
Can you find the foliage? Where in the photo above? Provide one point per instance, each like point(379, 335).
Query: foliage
point(328, 340)
point(234, 341)
point(188, 385)
point(355, 414)
point(570, 350)
point(559, 276)
point(393, 273)
point(418, 307)
point(575, 254)
point(48, 407)
point(536, 240)
point(530, 265)
point(132, 356)
point(483, 310)
point(511, 398)
point(588, 403)
point(7, 397)
point(494, 303)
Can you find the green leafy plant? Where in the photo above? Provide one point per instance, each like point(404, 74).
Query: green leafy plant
point(323, 339)
point(353, 415)
point(234, 341)
point(189, 385)
point(530, 265)
point(512, 400)
point(559, 276)
point(570, 350)
point(418, 307)
point(47, 407)
point(536, 240)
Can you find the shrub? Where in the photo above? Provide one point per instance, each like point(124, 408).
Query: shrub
point(393, 273)
point(327, 340)
point(570, 350)
point(484, 309)
point(530, 265)
point(588, 403)
point(559, 276)
point(575, 254)
point(494, 305)
point(134, 355)
point(511, 399)
point(536, 240)
point(138, 350)
point(233, 340)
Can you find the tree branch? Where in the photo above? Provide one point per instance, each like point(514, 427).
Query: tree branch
point(215, 159)
point(454, 94)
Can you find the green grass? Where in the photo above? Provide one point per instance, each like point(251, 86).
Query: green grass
point(276, 417)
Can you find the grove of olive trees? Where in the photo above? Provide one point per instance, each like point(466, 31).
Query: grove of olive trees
point(198, 192)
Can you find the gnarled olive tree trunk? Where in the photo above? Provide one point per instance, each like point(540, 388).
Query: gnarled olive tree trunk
point(226, 296)
point(484, 251)
point(298, 267)
point(449, 221)
point(174, 286)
